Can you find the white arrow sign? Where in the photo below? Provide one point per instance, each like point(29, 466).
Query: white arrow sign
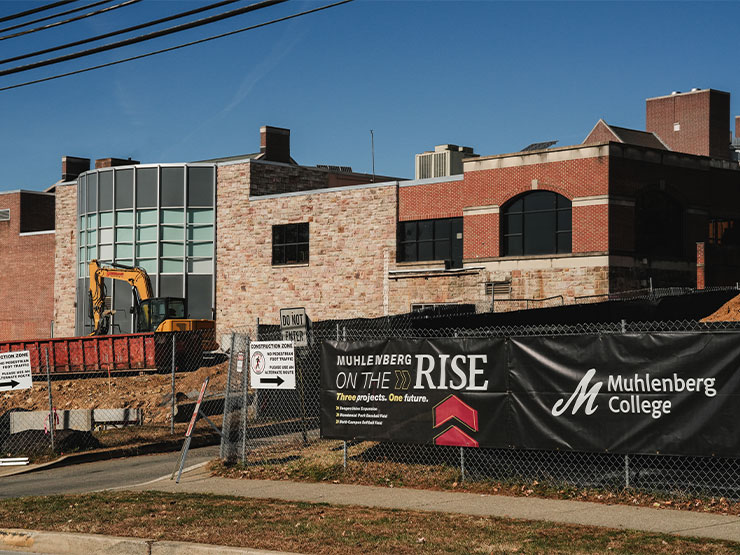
point(15, 371)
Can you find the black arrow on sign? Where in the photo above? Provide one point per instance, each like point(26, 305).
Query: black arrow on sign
point(11, 383)
point(276, 380)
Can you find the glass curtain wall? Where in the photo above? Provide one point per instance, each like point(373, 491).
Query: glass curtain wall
point(160, 218)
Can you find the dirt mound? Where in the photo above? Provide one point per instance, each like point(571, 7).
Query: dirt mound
point(728, 312)
point(149, 392)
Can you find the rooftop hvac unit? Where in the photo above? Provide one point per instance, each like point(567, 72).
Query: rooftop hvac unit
point(443, 161)
point(5, 215)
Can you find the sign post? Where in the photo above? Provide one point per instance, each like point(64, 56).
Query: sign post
point(294, 327)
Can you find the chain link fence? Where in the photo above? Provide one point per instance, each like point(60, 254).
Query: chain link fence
point(103, 392)
point(277, 428)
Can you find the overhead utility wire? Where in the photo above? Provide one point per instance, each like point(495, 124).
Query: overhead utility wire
point(71, 19)
point(36, 10)
point(48, 17)
point(171, 48)
point(142, 38)
point(118, 32)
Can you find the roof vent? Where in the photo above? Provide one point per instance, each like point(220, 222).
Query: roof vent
point(675, 92)
point(443, 161)
point(695, 89)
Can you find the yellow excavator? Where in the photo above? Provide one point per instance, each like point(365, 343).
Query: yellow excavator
point(151, 314)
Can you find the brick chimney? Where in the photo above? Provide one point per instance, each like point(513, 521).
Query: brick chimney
point(737, 127)
point(275, 144)
point(695, 122)
point(72, 166)
point(112, 162)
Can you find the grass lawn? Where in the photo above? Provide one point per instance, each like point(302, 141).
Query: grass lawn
point(320, 528)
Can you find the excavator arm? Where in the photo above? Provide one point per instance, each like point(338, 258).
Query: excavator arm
point(136, 277)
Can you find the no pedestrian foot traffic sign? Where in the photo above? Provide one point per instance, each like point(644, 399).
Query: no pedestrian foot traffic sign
point(15, 371)
point(272, 365)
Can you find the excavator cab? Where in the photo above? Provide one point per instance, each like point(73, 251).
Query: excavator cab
point(152, 312)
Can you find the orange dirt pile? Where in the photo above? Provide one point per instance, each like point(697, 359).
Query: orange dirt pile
point(728, 312)
point(149, 392)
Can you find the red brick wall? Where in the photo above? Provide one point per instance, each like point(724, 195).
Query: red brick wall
point(600, 134)
point(27, 262)
point(704, 119)
point(495, 187)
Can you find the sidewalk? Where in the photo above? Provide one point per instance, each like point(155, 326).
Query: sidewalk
point(668, 521)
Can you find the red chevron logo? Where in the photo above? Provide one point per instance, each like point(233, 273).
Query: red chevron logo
point(453, 407)
point(455, 437)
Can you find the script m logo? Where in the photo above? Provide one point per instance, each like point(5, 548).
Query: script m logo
point(581, 395)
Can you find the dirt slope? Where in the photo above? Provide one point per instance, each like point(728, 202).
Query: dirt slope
point(728, 312)
point(150, 392)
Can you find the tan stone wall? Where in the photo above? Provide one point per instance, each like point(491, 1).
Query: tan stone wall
point(352, 235)
point(436, 288)
point(65, 261)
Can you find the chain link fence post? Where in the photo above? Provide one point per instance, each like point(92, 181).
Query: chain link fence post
point(225, 423)
point(52, 423)
point(173, 401)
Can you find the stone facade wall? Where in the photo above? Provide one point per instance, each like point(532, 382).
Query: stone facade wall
point(352, 239)
point(436, 288)
point(27, 262)
point(65, 260)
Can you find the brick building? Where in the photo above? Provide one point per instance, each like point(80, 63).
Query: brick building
point(242, 237)
point(27, 243)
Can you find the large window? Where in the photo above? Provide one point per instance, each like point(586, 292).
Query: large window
point(290, 244)
point(659, 225)
point(424, 240)
point(537, 223)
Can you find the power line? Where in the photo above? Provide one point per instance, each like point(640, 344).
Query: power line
point(142, 38)
point(170, 49)
point(118, 32)
point(48, 17)
point(71, 19)
point(36, 10)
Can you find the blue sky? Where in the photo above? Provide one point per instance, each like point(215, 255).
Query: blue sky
point(492, 75)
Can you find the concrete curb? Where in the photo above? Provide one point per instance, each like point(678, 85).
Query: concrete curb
point(66, 543)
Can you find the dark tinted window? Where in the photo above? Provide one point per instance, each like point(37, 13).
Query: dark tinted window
point(424, 240)
point(536, 223)
point(146, 187)
point(290, 244)
point(124, 189)
point(173, 187)
point(659, 225)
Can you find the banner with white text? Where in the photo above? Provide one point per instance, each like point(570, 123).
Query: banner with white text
point(441, 391)
point(669, 393)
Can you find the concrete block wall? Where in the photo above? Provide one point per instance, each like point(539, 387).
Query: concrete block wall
point(27, 262)
point(65, 260)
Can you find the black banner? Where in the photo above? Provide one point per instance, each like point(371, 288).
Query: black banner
point(670, 393)
point(443, 391)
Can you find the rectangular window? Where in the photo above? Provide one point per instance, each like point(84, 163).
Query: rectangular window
point(290, 244)
point(426, 240)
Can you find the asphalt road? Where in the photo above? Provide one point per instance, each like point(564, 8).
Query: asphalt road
point(94, 476)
